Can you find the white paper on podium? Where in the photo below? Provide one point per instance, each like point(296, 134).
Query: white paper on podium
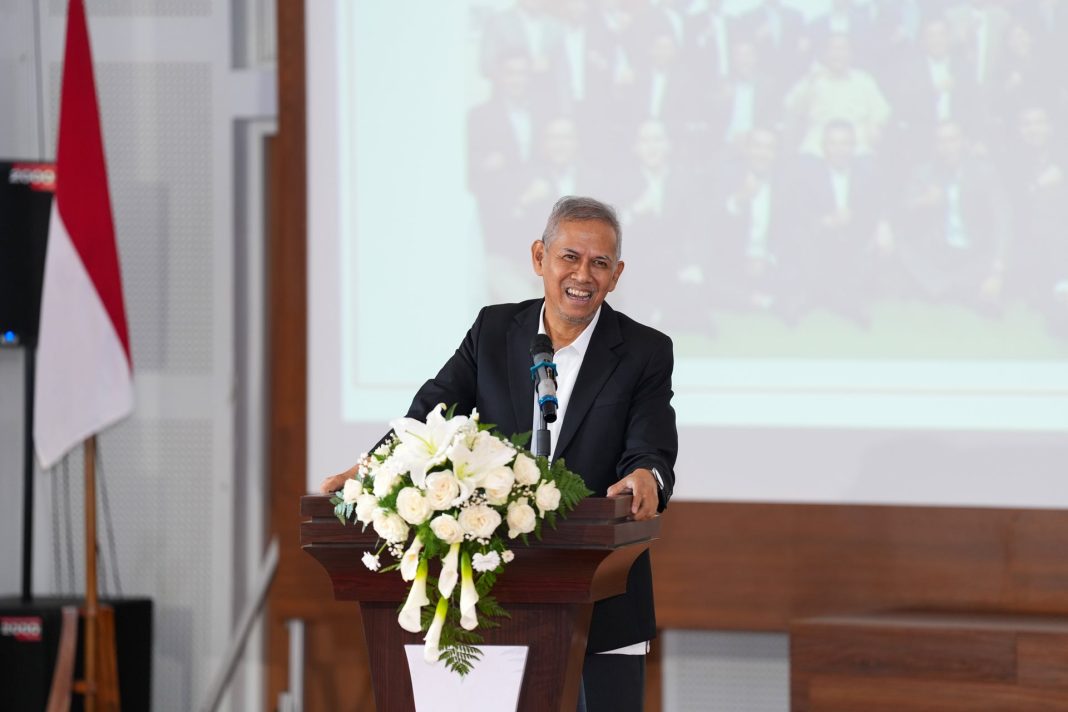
point(496, 677)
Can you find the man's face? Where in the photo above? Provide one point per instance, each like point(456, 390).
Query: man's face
point(578, 268)
point(662, 51)
point(949, 144)
point(513, 75)
point(561, 141)
point(760, 151)
point(837, 57)
point(1020, 42)
point(652, 146)
point(745, 60)
point(1035, 127)
point(936, 40)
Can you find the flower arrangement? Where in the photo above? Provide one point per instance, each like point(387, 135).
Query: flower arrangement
point(452, 489)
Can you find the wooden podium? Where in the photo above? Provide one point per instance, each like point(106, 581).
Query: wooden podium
point(549, 591)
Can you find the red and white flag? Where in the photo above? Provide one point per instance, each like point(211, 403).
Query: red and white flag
point(84, 369)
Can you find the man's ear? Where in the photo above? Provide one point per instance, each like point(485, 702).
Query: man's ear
point(537, 255)
point(615, 277)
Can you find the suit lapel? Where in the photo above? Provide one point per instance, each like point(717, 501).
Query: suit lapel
point(520, 386)
point(598, 365)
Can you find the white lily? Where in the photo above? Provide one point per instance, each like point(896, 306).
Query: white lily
point(472, 464)
point(410, 615)
point(468, 596)
point(409, 564)
point(432, 649)
point(447, 579)
point(422, 445)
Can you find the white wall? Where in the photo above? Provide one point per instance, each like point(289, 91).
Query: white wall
point(186, 90)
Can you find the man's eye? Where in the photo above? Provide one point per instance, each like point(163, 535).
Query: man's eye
point(601, 263)
point(569, 257)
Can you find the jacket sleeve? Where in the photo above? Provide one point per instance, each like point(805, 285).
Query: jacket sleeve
point(651, 439)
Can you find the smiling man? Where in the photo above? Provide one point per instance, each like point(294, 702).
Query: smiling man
point(615, 425)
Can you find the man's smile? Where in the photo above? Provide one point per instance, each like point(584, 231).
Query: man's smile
point(580, 295)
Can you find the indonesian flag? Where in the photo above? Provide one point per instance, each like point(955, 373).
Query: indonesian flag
point(84, 370)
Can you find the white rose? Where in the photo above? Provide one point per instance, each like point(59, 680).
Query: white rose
point(366, 504)
point(385, 479)
point(498, 484)
point(521, 518)
point(480, 521)
point(446, 528)
point(547, 497)
point(526, 470)
point(351, 491)
point(442, 489)
point(412, 506)
point(507, 556)
point(390, 526)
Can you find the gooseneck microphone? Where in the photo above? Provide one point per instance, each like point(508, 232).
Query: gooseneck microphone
point(543, 373)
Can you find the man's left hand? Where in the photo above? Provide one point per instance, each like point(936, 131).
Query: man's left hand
point(642, 484)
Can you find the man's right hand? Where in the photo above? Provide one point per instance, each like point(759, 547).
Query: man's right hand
point(336, 482)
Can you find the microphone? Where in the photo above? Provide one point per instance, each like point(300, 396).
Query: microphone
point(543, 373)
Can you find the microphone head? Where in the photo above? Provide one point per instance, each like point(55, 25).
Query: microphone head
point(541, 344)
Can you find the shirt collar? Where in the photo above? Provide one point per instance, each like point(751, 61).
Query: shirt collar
point(582, 342)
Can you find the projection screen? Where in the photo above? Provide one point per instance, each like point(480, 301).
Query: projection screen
point(849, 217)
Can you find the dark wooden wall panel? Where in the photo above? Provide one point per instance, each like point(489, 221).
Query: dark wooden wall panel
point(734, 566)
point(929, 662)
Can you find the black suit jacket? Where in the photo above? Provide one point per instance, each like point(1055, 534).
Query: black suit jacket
point(619, 418)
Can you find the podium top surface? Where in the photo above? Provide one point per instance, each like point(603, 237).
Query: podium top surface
point(596, 523)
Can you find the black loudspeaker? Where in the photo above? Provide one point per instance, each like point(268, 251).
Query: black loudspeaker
point(29, 643)
point(25, 205)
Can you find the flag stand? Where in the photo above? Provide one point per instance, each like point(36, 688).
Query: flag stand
point(82, 283)
point(100, 686)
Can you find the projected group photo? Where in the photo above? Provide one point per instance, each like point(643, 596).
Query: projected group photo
point(790, 176)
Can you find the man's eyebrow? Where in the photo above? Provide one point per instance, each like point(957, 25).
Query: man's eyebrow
point(573, 251)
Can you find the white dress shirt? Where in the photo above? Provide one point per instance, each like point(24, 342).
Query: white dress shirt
point(840, 188)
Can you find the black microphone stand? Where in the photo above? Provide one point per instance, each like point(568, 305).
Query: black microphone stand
point(541, 436)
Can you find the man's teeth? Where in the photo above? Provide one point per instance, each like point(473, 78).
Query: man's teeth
point(578, 293)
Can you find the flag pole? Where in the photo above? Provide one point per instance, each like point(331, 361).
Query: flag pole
point(91, 602)
point(30, 370)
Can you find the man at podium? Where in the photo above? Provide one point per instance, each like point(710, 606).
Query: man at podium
point(615, 425)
